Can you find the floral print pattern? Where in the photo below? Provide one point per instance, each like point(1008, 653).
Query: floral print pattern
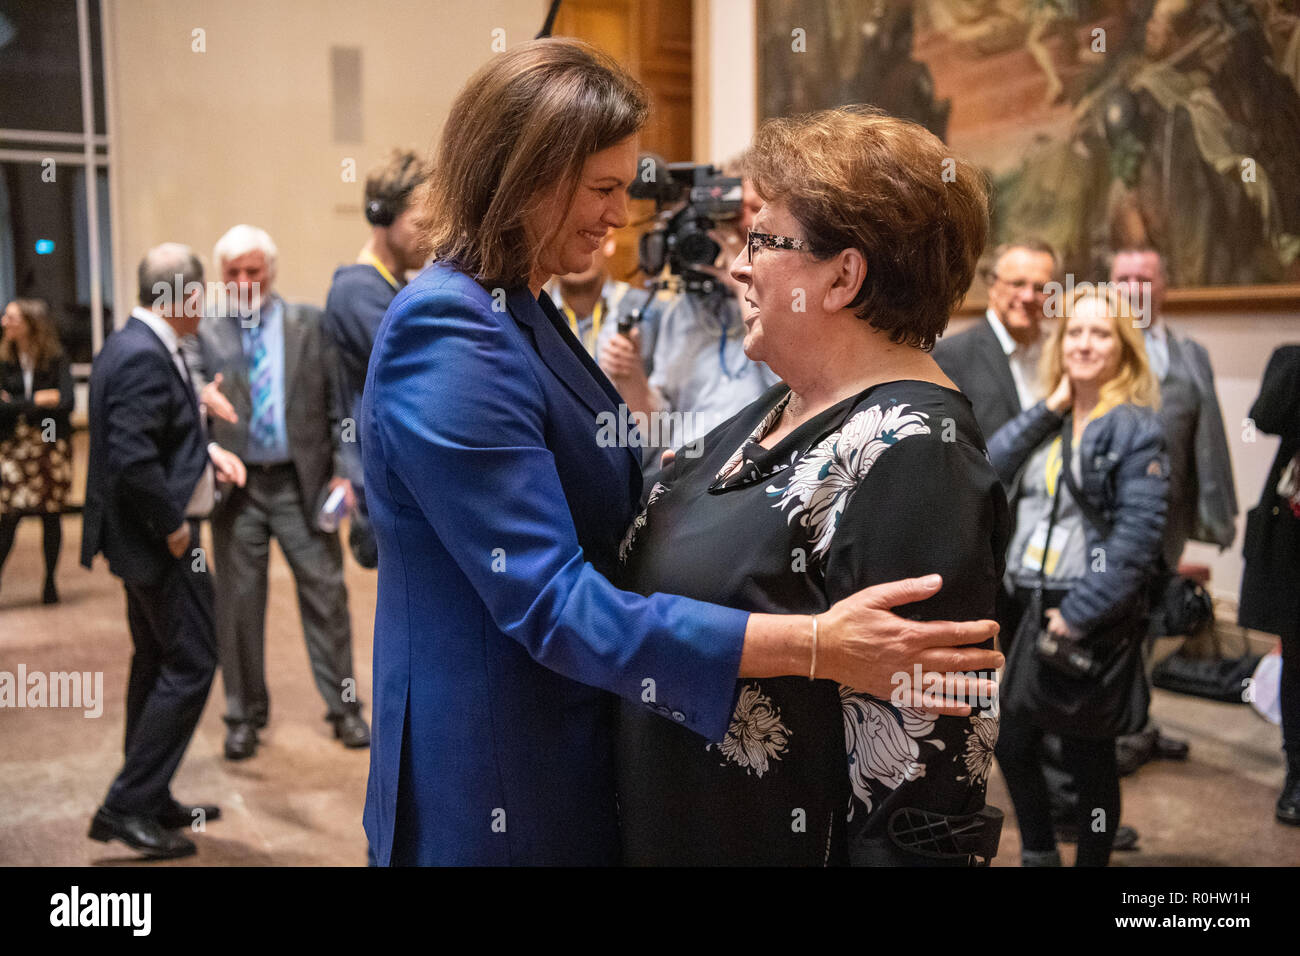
point(756, 735)
point(823, 479)
point(883, 744)
point(981, 739)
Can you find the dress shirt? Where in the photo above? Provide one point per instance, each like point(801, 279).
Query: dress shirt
point(1157, 342)
point(1022, 359)
point(201, 501)
point(271, 325)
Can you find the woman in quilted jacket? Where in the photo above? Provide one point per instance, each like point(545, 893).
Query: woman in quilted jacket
point(1088, 538)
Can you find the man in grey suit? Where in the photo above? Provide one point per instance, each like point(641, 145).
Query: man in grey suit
point(1202, 494)
point(272, 399)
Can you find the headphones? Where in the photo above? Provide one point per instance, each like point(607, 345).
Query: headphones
point(379, 212)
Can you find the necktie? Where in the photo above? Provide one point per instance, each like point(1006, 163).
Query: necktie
point(261, 427)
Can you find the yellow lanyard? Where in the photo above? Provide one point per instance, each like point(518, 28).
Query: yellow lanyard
point(597, 316)
point(1054, 462)
point(371, 258)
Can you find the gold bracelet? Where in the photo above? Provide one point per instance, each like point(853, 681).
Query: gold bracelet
point(812, 671)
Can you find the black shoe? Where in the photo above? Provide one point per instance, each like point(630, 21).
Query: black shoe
point(241, 742)
point(1126, 838)
point(1133, 750)
point(351, 729)
point(51, 595)
point(143, 834)
point(179, 815)
point(1288, 804)
point(1167, 748)
point(260, 721)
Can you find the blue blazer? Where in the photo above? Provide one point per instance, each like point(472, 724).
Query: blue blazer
point(147, 452)
point(498, 511)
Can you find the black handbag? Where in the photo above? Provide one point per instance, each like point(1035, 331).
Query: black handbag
point(1179, 606)
point(1091, 686)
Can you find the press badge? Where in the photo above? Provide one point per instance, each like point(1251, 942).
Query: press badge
point(1033, 559)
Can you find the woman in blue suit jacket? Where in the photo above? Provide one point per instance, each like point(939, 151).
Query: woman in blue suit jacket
point(498, 510)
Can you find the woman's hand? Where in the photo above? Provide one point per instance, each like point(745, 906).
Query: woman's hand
point(864, 645)
point(46, 397)
point(1062, 397)
point(1058, 626)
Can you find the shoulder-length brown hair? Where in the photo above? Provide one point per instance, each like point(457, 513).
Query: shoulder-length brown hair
point(1134, 383)
point(42, 338)
point(522, 127)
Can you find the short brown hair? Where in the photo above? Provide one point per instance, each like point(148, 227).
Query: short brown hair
point(394, 181)
point(1030, 243)
point(857, 178)
point(42, 337)
point(525, 122)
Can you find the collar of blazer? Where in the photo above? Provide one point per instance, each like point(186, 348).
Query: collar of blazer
point(998, 362)
point(149, 335)
point(580, 375)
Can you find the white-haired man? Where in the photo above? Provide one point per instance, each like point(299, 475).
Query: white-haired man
point(272, 395)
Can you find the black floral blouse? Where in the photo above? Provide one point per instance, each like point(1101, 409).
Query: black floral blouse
point(891, 483)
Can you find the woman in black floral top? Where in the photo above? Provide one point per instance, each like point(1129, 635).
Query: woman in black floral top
point(866, 466)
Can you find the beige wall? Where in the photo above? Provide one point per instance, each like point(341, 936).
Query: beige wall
point(243, 131)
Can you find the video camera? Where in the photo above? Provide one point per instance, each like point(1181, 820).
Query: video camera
point(680, 236)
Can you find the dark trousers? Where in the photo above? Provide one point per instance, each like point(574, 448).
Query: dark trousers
point(1091, 763)
point(171, 670)
point(270, 505)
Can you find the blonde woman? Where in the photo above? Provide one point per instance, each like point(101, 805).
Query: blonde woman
point(1093, 476)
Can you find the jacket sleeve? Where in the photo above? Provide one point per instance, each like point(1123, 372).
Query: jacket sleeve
point(1119, 568)
point(1277, 408)
point(67, 390)
point(1216, 506)
point(462, 427)
point(1013, 443)
point(135, 416)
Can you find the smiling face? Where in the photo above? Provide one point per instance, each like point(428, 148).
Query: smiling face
point(1015, 292)
point(598, 205)
point(1091, 348)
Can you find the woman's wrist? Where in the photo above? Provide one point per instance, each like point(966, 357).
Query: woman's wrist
point(777, 645)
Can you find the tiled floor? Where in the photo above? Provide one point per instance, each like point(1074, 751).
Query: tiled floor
point(299, 800)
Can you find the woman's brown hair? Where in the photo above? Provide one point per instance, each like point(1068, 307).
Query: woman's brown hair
point(856, 178)
point(522, 127)
point(1134, 382)
point(42, 337)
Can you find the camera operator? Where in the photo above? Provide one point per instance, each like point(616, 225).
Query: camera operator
point(695, 364)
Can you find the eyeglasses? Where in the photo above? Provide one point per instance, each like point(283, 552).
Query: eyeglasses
point(1020, 285)
point(765, 240)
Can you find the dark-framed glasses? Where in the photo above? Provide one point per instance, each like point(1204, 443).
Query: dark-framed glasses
point(766, 240)
point(1020, 285)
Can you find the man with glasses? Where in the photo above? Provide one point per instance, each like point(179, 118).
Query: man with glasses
point(996, 362)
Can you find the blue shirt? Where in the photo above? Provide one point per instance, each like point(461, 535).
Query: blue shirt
point(271, 324)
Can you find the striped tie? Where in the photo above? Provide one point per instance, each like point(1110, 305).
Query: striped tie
point(261, 427)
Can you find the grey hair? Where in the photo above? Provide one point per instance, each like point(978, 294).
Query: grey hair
point(162, 265)
point(240, 241)
point(1030, 243)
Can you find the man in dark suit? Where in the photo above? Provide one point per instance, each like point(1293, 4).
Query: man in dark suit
point(150, 480)
point(273, 399)
point(995, 362)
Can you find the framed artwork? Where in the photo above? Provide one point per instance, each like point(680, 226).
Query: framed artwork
point(1100, 123)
